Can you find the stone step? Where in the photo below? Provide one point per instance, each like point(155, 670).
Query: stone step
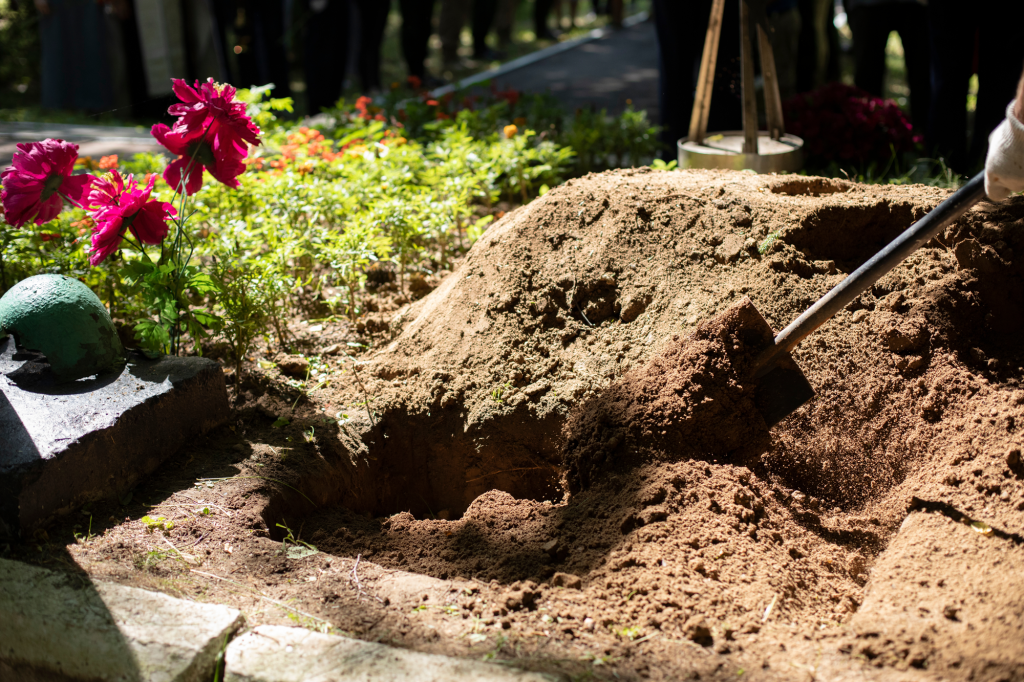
point(66, 626)
point(273, 653)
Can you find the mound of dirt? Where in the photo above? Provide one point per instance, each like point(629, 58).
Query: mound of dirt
point(874, 534)
point(693, 401)
point(918, 386)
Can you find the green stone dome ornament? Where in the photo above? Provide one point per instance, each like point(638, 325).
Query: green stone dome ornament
point(64, 320)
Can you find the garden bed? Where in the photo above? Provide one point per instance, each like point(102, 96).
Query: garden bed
point(878, 530)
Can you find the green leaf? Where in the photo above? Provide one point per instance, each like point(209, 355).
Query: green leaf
point(300, 552)
point(280, 423)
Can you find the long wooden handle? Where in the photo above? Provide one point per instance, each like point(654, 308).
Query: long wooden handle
point(706, 77)
point(913, 238)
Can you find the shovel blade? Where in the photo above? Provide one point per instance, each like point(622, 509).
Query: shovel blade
point(781, 391)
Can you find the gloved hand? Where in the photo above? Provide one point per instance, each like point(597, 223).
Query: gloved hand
point(1004, 165)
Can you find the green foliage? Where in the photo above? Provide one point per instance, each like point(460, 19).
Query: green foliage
point(157, 523)
point(405, 185)
point(294, 548)
point(143, 163)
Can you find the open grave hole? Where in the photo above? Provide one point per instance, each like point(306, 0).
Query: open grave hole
point(458, 474)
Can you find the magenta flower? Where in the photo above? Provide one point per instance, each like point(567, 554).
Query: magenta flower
point(212, 133)
point(120, 205)
point(40, 173)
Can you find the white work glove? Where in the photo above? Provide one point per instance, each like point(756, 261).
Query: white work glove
point(1004, 165)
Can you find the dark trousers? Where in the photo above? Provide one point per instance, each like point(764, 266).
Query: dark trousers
point(373, 19)
point(541, 10)
point(326, 36)
point(417, 25)
point(483, 18)
point(871, 26)
point(681, 26)
point(985, 33)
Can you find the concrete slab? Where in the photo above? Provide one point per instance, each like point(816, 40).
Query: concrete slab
point(60, 626)
point(273, 653)
point(64, 445)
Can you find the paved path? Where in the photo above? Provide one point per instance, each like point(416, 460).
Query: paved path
point(604, 70)
point(94, 141)
point(604, 73)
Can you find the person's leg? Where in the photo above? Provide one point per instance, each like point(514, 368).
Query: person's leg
point(326, 42)
point(483, 19)
point(453, 18)
point(870, 27)
point(505, 21)
point(268, 35)
point(374, 17)
point(1000, 59)
point(951, 40)
point(541, 10)
point(785, 42)
point(912, 24)
point(417, 24)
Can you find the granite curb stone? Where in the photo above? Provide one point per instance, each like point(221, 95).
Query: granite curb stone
point(65, 626)
point(62, 446)
point(274, 653)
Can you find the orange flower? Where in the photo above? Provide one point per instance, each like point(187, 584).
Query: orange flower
point(510, 131)
point(431, 102)
point(108, 162)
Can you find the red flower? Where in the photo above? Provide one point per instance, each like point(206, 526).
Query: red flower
point(39, 175)
point(414, 82)
point(120, 206)
point(212, 132)
point(48, 236)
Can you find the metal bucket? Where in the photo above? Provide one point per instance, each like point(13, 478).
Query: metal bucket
point(724, 150)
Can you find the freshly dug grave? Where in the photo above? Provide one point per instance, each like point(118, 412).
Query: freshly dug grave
point(877, 533)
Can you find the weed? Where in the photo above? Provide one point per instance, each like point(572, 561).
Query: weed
point(157, 523)
point(497, 393)
point(299, 549)
point(82, 539)
point(143, 562)
point(631, 633)
point(763, 247)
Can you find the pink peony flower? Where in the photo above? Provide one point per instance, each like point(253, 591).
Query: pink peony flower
point(40, 173)
point(120, 205)
point(212, 133)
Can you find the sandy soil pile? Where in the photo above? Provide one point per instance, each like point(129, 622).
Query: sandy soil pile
point(877, 532)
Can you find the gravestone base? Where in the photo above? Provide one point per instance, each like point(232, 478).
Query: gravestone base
point(64, 445)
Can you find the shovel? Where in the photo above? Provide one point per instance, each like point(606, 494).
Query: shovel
point(781, 386)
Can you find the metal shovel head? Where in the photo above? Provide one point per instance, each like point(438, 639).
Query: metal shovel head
point(783, 388)
point(781, 391)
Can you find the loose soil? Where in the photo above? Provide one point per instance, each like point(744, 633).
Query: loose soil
point(552, 458)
